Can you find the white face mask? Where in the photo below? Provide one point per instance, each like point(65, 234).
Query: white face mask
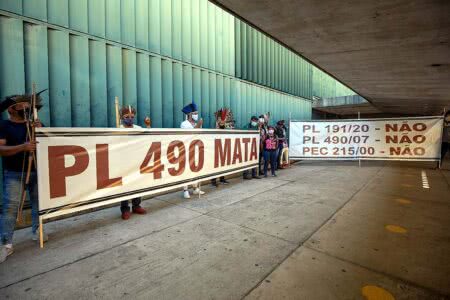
point(261, 120)
point(195, 117)
point(270, 131)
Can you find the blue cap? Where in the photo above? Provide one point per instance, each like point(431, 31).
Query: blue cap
point(189, 108)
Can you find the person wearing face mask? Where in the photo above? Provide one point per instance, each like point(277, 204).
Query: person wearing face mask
point(262, 124)
point(270, 151)
point(15, 146)
point(192, 122)
point(127, 117)
point(253, 125)
point(280, 133)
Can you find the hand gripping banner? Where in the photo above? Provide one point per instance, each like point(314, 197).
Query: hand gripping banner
point(80, 168)
point(415, 139)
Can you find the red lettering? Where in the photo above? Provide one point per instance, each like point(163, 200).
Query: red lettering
point(246, 141)
point(237, 153)
point(102, 162)
point(222, 153)
point(254, 150)
point(58, 171)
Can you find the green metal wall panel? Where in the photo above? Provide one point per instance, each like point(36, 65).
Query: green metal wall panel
point(36, 9)
point(195, 32)
point(167, 94)
point(156, 109)
point(166, 28)
point(59, 79)
point(36, 68)
point(14, 6)
point(78, 15)
point(58, 12)
point(12, 64)
point(143, 87)
point(129, 80)
point(205, 95)
point(97, 17)
point(127, 22)
point(154, 31)
point(186, 31)
point(114, 81)
point(203, 11)
point(112, 18)
point(79, 81)
point(177, 94)
point(142, 24)
point(196, 87)
point(98, 84)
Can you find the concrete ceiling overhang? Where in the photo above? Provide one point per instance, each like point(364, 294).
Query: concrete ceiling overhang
point(395, 53)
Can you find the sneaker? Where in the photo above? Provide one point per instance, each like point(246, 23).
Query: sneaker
point(35, 236)
point(186, 195)
point(225, 182)
point(139, 210)
point(126, 215)
point(197, 191)
point(9, 249)
point(274, 175)
point(256, 177)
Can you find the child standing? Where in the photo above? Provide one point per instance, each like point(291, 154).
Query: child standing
point(270, 151)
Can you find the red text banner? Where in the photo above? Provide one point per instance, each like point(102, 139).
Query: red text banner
point(89, 167)
point(416, 139)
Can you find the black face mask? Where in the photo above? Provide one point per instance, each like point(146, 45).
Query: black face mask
point(22, 113)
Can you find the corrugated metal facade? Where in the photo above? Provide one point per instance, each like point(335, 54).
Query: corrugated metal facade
point(157, 55)
point(324, 86)
point(262, 60)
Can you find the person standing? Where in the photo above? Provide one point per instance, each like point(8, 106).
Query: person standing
point(15, 146)
point(280, 133)
point(263, 126)
point(270, 151)
point(192, 122)
point(127, 116)
point(253, 125)
point(222, 118)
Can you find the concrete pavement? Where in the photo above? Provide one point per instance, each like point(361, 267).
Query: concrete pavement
point(317, 231)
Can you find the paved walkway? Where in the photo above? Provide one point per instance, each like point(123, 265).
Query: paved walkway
point(328, 230)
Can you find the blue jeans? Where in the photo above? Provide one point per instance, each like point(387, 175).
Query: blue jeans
point(270, 155)
point(12, 189)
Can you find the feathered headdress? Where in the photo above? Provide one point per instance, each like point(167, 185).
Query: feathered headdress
point(224, 118)
point(14, 99)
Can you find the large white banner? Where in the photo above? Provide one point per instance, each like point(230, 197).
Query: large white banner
point(367, 139)
point(80, 168)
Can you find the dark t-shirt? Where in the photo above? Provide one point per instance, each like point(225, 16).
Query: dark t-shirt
point(14, 134)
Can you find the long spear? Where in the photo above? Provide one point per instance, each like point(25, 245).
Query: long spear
point(31, 156)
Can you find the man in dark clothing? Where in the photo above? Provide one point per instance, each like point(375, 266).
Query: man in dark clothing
point(280, 133)
point(253, 125)
point(15, 147)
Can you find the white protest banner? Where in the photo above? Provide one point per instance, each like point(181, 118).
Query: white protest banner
point(416, 139)
point(80, 168)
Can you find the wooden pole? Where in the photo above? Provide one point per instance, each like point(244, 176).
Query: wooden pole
point(41, 232)
point(31, 155)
